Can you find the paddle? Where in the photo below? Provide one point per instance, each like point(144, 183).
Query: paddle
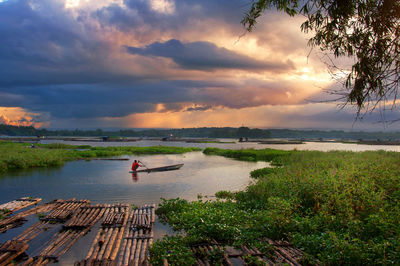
point(144, 165)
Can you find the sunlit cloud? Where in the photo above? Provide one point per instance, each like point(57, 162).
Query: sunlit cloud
point(16, 116)
point(71, 3)
point(157, 63)
point(280, 116)
point(163, 6)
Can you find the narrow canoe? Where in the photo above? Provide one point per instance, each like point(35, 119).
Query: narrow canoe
point(160, 169)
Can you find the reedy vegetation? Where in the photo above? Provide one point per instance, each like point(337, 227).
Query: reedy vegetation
point(339, 207)
point(21, 156)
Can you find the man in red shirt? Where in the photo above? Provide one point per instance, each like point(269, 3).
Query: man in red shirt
point(135, 165)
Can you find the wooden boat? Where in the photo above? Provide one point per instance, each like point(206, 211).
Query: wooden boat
point(160, 169)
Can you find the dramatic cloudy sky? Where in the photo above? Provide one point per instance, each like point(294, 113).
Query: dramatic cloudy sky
point(160, 63)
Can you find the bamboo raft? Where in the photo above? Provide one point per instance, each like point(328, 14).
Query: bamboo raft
point(20, 218)
point(79, 225)
point(11, 250)
point(124, 232)
point(139, 237)
point(19, 204)
point(138, 228)
point(64, 212)
point(282, 253)
point(123, 238)
point(106, 244)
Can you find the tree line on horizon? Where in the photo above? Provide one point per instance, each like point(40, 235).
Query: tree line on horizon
point(203, 132)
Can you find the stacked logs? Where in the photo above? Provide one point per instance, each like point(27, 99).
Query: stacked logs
point(285, 253)
point(64, 212)
point(106, 245)
point(19, 204)
point(281, 253)
point(84, 217)
point(10, 250)
point(18, 219)
point(33, 231)
point(138, 237)
point(58, 214)
point(82, 221)
point(78, 218)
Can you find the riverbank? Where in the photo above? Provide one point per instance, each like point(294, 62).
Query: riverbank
point(339, 207)
point(23, 156)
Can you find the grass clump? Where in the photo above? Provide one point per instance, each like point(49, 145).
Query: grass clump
point(145, 150)
point(339, 207)
point(223, 194)
point(252, 155)
point(22, 156)
point(4, 213)
point(172, 248)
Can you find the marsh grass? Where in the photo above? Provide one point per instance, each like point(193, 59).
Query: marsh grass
point(339, 207)
point(22, 156)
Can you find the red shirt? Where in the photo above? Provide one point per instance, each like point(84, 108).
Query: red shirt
point(135, 165)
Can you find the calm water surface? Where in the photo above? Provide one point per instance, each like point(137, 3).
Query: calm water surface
point(110, 182)
point(312, 146)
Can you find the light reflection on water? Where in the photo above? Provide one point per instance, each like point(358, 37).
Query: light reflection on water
point(110, 182)
point(314, 146)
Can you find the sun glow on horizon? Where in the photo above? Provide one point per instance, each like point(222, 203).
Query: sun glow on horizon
point(16, 116)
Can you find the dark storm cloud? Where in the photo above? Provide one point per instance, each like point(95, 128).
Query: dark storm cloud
point(206, 56)
point(68, 65)
point(198, 108)
point(41, 44)
point(186, 14)
point(83, 101)
point(91, 101)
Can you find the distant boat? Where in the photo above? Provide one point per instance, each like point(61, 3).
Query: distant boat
point(160, 169)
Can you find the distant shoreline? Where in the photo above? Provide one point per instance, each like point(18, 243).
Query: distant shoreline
point(274, 141)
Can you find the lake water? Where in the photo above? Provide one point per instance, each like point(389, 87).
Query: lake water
point(110, 182)
point(312, 146)
point(103, 181)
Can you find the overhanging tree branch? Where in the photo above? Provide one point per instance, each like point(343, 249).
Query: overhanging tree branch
point(368, 30)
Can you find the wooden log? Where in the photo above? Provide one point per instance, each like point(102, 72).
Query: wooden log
point(16, 220)
point(56, 243)
point(118, 240)
point(287, 256)
point(110, 244)
point(125, 240)
point(72, 242)
point(138, 247)
point(143, 252)
point(79, 220)
point(153, 214)
point(19, 204)
point(100, 243)
point(199, 262)
point(90, 217)
point(133, 248)
point(113, 255)
point(127, 253)
point(94, 245)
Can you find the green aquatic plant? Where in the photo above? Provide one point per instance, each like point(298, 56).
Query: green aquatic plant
point(338, 207)
point(22, 156)
point(174, 249)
